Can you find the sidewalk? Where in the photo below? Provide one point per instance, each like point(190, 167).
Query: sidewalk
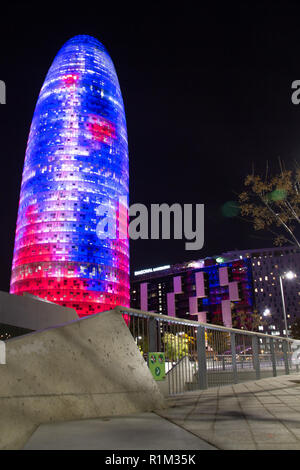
point(262, 415)
point(143, 431)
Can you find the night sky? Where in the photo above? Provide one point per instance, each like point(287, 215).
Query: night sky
point(207, 91)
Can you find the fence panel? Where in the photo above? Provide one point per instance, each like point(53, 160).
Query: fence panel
point(200, 355)
point(218, 357)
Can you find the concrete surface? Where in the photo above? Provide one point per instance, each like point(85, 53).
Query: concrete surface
point(146, 431)
point(255, 415)
point(86, 369)
point(31, 313)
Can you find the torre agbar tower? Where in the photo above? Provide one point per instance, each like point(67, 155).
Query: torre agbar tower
point(75, 176)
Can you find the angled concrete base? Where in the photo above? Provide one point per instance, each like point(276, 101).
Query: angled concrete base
point(32, 313)
point(86, 369)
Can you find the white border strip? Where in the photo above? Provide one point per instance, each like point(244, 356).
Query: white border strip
point(2, 353)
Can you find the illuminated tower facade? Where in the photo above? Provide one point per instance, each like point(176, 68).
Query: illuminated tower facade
point(71, 243)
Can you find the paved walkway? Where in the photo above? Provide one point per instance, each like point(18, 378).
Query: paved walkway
point(145, 431)
point(263, 415)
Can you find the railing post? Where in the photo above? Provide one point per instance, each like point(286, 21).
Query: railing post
point(152, 335)
point(285, 356)
point(158, 336)
point(255, 356)
point(233, 355)
point(273, 358)
point(201, 353)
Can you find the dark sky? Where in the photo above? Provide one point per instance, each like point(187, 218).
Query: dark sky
point(207, 91)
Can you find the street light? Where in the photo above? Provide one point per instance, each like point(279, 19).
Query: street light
point(288, 275)
point(267, 312)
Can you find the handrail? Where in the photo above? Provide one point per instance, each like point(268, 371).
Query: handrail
point(195, 323)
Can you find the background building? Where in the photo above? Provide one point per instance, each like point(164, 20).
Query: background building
point(207, 290)
point(267, 265)
point(223, 288)
point(76, 163)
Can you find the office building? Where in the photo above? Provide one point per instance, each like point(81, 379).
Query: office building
point(76, 165)
point(210, 290)
point(268, 264)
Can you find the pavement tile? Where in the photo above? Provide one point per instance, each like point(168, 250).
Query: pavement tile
point(227, 429)
point(269, 400)
point(146, 431)
point(261, 419)
point(251, 399)
point(228, 403)
point(291, 403)
point(268, 427)
point(262, 414)
point(226, 418)
point(286, 413)
point(252, 404)
point(278, 446)
point(234, 435)
point(234, 445)
point(229, 410)
point(276, 406)
point(207, 409)
point(203, 433)
point(275, 437)
point(294, 428)
point(193, 418)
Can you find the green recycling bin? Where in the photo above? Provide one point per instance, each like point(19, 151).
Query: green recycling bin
point(156, 363)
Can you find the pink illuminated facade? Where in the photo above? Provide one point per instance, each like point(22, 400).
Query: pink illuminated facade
point(205, 290)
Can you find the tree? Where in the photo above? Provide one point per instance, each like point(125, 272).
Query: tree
point(272, 203)
point(176, 346)
point(295, 329)
point(245, 320)
point(218, 342)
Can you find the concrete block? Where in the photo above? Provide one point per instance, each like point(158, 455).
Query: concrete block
point(88, 368)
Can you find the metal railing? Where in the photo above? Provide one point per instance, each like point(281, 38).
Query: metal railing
point(202, 355)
